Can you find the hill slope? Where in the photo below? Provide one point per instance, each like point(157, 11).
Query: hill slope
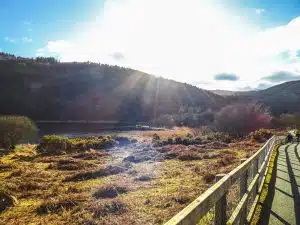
point(47, 90)
point(283, 98)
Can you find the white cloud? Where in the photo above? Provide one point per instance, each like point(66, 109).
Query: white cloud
point(26, 39)
point(18, 40)
point(9, 39)
point(259, 11)
point(40, 52)
point(186, 42)
point(60, 46)
point(26, 23)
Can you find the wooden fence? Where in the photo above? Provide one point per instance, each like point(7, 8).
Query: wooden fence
point(216, 196)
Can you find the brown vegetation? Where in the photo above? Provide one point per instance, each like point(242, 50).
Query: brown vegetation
point(261, 135)
point(6, 200)
point(53, 144)
point(109, 187)
point(86, 175)
point(56, 206)
point(110, 191)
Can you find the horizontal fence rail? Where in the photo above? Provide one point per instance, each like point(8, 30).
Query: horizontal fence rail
point(215, 197)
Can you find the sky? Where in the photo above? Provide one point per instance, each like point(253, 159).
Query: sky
point(213, 44)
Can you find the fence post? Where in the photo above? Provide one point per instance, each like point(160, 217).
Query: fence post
point(243, 190)
point(255, 170)
point(221, 205)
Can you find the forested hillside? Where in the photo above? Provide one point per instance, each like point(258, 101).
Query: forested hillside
point(280, 99)
point(283, 98)
point(45, 89)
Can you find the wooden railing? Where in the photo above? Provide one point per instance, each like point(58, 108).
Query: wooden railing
point(216, 196)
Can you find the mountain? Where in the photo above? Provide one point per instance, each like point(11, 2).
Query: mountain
point(45, 89)
point(282, 98)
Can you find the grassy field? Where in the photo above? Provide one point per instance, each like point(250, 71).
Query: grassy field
point(132, 184)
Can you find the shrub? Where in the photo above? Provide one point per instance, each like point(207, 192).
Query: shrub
point(199, 139)
point(181, 199)
point(101, 209)
point(70, 164)
point(6, 200)
point(203, 130)
point(186, 141)
point(227, 160)
point(53, 144)
point(110, 191)
point(189, 156)
point(287, 120)
point(209, 177)
point(55, 206)
point(189, 135)
point(89, 155)
point(170, 141)
point(219, 136)
point(178, 140)
point(155, 137)
point(143, 178)
point(14, 129)
point(261, 135)
point(4, 167)
point(87, 175)
point(123, 140)
point(241, 119)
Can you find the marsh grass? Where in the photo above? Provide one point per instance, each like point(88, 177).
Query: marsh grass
point(97, 187)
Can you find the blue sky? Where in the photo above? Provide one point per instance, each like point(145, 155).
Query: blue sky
point(28, 25)
point(214, 44)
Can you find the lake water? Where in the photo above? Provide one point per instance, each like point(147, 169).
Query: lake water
point(86, 129)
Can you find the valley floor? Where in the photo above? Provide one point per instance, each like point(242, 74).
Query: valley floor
point(133, 184)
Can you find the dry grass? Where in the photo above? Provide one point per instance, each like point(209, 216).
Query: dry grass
point(93, 174)
point(164, 134)
point(70, 164)
point(97, 187)
point(110, 191)
point(56, 206)
point(6, 200)
point(102, 208)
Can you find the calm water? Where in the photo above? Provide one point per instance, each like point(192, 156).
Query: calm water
point(86, 129)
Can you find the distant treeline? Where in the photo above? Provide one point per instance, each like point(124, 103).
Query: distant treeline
point(43, 88)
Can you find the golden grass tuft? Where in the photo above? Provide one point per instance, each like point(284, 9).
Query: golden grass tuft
point(106, 208)
point(110, 191)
